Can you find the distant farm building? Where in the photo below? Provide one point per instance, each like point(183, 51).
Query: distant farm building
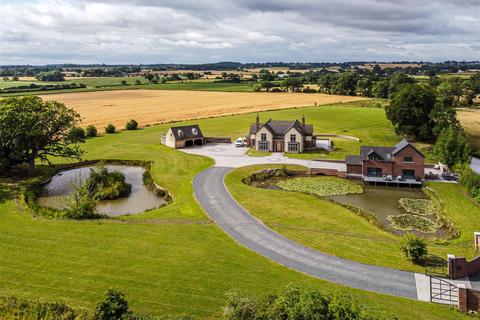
point(184, 136)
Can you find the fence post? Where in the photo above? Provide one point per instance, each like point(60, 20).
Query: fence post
point(477, 240)
point(462, 297)
point(451, 266)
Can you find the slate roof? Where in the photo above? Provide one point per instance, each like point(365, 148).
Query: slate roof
point(385, 153)
point(353, 160)
point(187, 132)
point(280, 127)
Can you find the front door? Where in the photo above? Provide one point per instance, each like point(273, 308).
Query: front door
point(279, 146)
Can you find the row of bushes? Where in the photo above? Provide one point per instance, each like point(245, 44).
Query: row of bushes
point(114, 306)
point(43, 87)
point(470, 180)
point(78, 134)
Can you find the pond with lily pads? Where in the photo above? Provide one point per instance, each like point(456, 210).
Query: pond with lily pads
point(398, 209)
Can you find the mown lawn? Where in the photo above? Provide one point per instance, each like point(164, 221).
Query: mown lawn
point(331, 228)
point(171, 260)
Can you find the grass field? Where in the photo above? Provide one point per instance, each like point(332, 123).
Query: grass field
point(170, 260)
point(470, 120)
point(157, 106)
point(331, 228)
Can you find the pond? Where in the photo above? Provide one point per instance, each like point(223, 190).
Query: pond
point(380, 201)
point(141, 198)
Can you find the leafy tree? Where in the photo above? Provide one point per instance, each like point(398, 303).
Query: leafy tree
point(123, 82)
point(138, 82)
point(450, 91)
point(380, 88)
point(294, 84)
point(15, 78)
point(50, 76)
point(77, 134)
point(266, 75)
point(6, 78)
point(32, 129)
point(90, 131)
point(131, 125)
point(327, 83)
point(224, 75)
point(110, 128)
point(114, 307)
point(414, 248)
point(346, 84)
point(409, 111)
point(397, 81)
point(443, 115)
point(149, 77)
point(472, 88)
point(267, 85)
point(452, 147)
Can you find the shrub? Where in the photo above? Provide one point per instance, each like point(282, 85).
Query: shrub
point(414, 248)
point(76, 134)
point(138, 82)
point(103, 184)
point(81, 203)
point(110, 128)
point(114, 307)
point(91, 131)
point(123, 82)
point(293, 303)
point(131, 125)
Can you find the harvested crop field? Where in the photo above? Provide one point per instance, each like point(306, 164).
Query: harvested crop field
point(470, 121)
point(158, 106)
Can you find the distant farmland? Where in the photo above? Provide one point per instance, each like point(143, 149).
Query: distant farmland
point(158, 106)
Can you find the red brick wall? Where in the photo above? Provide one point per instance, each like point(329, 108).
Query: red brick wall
point(460, 267)
point(354, 169)
point(418, 162)
point(387, 167)
point(473, 300)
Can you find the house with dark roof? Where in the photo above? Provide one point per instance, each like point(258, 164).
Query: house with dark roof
point(398, 163)
point(281, 136)
point(184, 136)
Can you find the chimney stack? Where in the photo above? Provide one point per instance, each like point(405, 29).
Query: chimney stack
point(258, 122)
point(303, 121)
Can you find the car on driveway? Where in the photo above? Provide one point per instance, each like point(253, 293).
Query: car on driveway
point(240, 142)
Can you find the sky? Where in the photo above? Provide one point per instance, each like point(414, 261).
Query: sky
point(202, 31)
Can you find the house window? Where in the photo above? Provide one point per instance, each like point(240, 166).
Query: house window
point(293, 138)
point(263, 145)
point(374, 172)
point(408, 159)
point(292, 146)
point(373, 157)
point(263, 137)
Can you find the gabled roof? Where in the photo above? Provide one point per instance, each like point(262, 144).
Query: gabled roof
point(386, 153)
point(187, 132)
point(282, 127)
point(402, 145)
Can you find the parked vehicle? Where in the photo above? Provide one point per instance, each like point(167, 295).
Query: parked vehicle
point(240, 142)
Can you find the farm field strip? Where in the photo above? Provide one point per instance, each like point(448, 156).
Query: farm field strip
point(158, 106)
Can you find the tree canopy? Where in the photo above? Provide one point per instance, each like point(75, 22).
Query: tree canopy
point(32, 129)
point(410, 110)
point(452, 147)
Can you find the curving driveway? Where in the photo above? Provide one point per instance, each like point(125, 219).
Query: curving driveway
point(213, 196)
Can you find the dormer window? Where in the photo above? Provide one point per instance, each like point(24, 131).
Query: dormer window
point(181, 133)
point(389, 156)
point(195, 131)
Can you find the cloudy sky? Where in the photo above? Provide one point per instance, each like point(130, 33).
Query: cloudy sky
point(198, 31)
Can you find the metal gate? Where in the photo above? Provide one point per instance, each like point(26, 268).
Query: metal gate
point(443, 291)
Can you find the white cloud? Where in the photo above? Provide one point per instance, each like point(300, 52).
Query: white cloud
point(188, 31)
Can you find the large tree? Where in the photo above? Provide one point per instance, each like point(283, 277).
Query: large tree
point(410, 109)
point(452, 147)
point(32, 129)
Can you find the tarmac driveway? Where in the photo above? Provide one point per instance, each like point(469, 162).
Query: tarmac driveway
point(213, 196)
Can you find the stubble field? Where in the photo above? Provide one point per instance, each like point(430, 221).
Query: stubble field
point(158, 106)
